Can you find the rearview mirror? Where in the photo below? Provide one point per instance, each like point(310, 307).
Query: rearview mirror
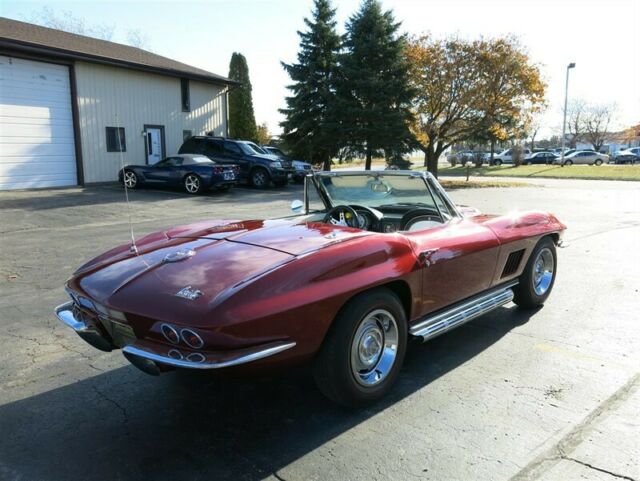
point(379, 187)
point(296, 206)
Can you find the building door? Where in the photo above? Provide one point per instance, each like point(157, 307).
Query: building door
point(154, 143)
point(37, 143)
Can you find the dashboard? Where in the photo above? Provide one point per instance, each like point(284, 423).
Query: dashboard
point(391, 220)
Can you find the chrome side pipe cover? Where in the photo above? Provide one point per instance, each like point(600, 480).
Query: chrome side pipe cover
point(439, 323)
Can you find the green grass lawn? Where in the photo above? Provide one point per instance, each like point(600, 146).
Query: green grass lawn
point(602, 172)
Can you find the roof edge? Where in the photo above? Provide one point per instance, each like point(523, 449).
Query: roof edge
point(21, 46)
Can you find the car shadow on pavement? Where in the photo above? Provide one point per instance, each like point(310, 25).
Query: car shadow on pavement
point(123, 424)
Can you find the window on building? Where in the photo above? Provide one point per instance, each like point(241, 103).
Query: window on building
point(184, 91)
point(186, 134)
point(116, 141)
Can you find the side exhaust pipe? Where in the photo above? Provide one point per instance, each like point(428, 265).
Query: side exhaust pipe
point(439, 323)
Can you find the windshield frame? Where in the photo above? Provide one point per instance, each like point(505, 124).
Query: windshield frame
point(430, 183)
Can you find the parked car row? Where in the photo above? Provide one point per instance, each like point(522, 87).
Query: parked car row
point(571, 156)
point(215, 163)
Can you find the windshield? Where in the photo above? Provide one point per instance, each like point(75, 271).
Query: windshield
point(250, 148)
point(253, 148)
point(276, 152)
point(377, 190)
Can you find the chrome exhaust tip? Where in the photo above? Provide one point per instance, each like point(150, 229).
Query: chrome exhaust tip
point(145, 365)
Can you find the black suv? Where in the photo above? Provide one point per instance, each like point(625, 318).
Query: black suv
point(257, 168)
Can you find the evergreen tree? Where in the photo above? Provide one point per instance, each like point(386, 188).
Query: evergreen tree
point(372, 88)
point(307, 128)
point(242, 121)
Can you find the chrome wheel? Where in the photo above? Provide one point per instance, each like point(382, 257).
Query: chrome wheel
point(260, 178)
point(543, 271)
point(192, 184)
point(130, 179)
point(374, 348)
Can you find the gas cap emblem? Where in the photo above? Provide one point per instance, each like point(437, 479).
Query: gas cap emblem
point(189, 293)
point(179, 255)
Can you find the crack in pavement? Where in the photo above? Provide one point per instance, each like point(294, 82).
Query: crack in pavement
point(575, 437)
point(123, 411)
point(590, 466)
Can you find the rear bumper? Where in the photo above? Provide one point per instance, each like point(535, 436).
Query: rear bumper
point(175, 358)
point(151, 357)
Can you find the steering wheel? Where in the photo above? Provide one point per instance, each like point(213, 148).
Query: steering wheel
point(342, 215)
point(421, 212)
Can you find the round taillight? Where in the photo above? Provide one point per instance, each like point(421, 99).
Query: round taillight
point(175, 354)
point(191, 339)
point(170, 333)
point(195, 357)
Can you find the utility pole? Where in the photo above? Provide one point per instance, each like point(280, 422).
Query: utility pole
point(564, 116)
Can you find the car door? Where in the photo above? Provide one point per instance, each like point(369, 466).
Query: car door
point(586, 158)
point(457, 259)
point(232, 151)
point(165, 172)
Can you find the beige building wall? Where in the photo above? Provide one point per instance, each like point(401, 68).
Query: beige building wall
point(118, 97)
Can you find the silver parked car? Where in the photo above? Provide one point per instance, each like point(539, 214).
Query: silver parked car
point(588, 157)
point(627, 156)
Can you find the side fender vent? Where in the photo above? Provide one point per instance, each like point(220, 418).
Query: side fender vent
point(513, 262)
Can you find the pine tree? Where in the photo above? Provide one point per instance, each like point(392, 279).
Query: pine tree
point(373, 89)
point(242, 121)
point(307, 129)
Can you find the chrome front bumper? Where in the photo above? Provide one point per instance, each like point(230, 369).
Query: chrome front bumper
point(145, 355)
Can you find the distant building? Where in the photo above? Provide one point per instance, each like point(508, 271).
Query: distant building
point(71, 106)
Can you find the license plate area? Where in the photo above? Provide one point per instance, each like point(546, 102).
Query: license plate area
point(121, 334)
point(228, 176)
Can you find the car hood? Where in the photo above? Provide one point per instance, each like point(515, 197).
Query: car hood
point(220, 257)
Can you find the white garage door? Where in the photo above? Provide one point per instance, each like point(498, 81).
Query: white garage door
point(36, 127)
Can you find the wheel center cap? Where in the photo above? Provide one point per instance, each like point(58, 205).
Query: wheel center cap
point(370, 347)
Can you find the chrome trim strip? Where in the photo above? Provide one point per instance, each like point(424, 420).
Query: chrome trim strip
point(254, 356)
point(437, 324)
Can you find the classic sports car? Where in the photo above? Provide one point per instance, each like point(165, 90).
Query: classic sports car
point(382, 257)
point(194, 173)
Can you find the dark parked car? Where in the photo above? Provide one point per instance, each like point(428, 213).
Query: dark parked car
point(194, 173)
point(256, 168)
point(300, 168)
point(541, 158)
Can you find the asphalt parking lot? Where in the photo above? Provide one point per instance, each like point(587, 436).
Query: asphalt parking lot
point(551, 395)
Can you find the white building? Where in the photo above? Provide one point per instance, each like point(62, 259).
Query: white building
point(72, 108)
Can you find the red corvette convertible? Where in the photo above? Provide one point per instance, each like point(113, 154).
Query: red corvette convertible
point(369, 260)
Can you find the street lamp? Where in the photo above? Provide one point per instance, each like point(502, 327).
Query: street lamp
point(564, 117)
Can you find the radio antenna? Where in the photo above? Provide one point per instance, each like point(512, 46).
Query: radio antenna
point(133, 247)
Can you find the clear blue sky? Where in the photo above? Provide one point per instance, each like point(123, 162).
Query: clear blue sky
point(602, 37)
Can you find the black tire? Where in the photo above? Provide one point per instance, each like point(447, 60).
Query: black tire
point(497, 162)
point(333, 367)
point(260, 178)
point(598, 162)
point(527, 163)
point(527, 295)
point(568, 162)
point(130, 179)
point(192, 184)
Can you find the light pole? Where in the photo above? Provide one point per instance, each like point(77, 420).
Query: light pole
point(564, 116)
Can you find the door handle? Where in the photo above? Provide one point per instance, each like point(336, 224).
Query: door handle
point(425, 257)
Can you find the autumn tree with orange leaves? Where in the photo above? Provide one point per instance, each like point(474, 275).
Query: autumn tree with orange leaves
point(481, 89)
